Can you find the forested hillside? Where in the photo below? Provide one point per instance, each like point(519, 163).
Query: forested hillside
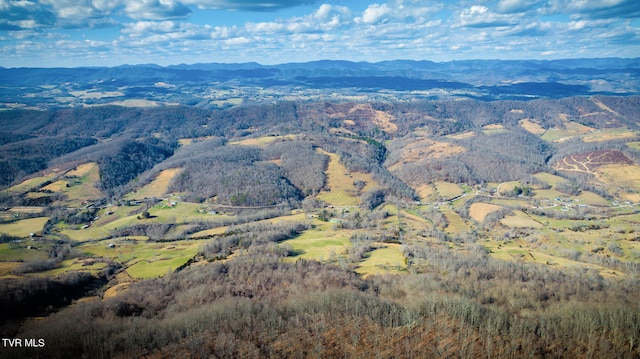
point(418, 228)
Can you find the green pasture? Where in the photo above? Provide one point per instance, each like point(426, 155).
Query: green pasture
point(321, 242)
point(23, 227)
point(35, 182)
point(74, 264)
point(14, 252)
point(145, 269)
point(635, 145)
point(386, 258)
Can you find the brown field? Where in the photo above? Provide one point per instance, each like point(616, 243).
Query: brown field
point(361, 114)
point(625, 176)
point(520, 219)
point(532, 126)
point(479, 211)
point(421, 149)
point(426, 192)
point(493, 126)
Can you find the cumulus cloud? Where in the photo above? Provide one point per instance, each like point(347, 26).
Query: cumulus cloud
point(481, 16)
point(166, 30)
point(375, 13)
point(326, 18)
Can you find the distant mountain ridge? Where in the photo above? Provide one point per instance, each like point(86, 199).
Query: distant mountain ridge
point(479, 79)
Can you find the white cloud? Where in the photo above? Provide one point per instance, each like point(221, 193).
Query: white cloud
point(481, 16)
point(156, 9)
point(374, 13)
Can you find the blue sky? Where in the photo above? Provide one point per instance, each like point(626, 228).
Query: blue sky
point(49, 33)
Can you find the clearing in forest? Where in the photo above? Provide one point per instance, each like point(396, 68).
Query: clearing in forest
point(321, 243)
point(532, 126)
point(361, 115)
point(386, 258)
point(610, 135)
point(158, 187)
point(340, 183)
point(421, 150)
point(447, 190)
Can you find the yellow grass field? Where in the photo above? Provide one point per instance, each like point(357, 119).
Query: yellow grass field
point(610, 134)
point(342, 191)
point(261, 141)
point(621, 176)
point(532, 126)
point(22, 228)
point(462, 136)
point(82, 170)
point(456, 224)
point(426, 192)
point(31, 183)
point(479, 211)
point(420, 149)
point(447, 190)
point(158, 187)
point(592, 199)
point(520, 219)
point(387, 258)
point(549, 179)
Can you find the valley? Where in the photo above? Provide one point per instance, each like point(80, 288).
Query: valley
point(437, 225)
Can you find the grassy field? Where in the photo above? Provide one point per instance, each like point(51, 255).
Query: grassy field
point(635, 145)
point(158, 187)
point(31, 183)
point(447, 189)
point(321, 242)
point(610, 134)
point(157, 268)
point(479, 211)
point(340, 181)
point(456, 225)
point(386, 258)
point(532, 126)
point(548, 178)
point(520, 219)
point(22, 228)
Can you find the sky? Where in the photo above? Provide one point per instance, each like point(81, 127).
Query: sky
point(72, 33)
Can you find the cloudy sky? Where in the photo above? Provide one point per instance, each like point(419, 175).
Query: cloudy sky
point(47, 33)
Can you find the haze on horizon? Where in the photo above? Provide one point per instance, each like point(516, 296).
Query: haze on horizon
point(70, 33)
